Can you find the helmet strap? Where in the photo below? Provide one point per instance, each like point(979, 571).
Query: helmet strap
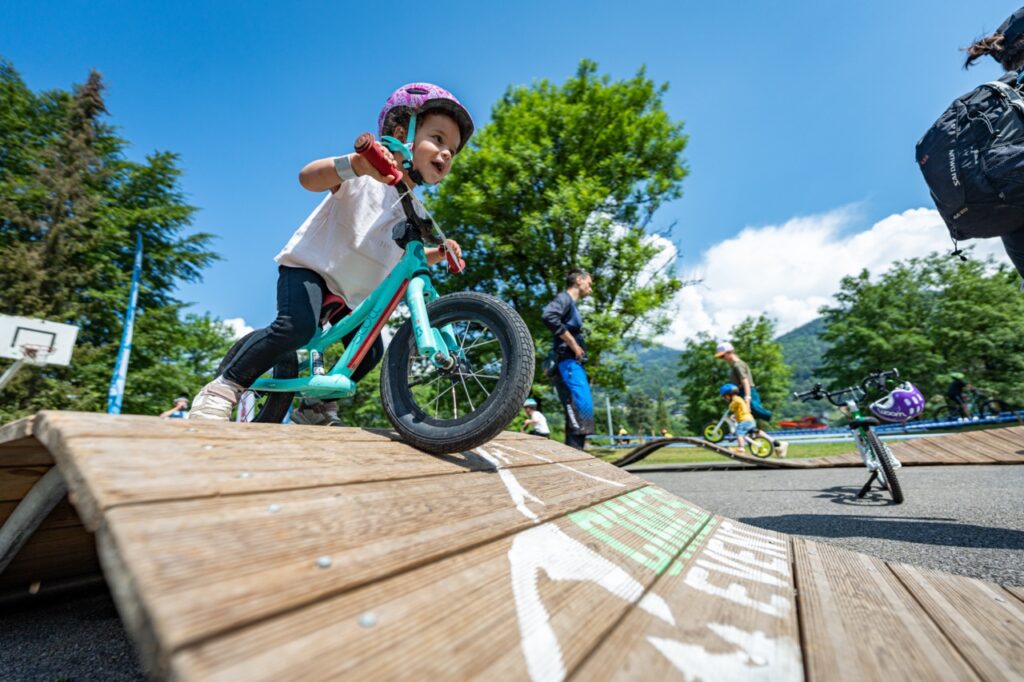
point(404, 150)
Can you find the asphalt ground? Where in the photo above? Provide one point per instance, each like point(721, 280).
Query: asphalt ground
point(76, 637)
point(967, 520)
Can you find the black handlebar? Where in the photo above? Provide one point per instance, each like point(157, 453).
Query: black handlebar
point(872, 382)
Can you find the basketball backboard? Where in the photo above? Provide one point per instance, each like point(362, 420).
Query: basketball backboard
point(51, 342)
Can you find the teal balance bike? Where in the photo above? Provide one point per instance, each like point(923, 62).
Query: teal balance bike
point(456, 371)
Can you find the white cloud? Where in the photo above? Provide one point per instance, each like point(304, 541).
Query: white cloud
point(788, 271)
point(238, 327)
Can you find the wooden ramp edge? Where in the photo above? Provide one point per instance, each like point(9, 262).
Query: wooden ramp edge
point(991, 446)
point(265, 552)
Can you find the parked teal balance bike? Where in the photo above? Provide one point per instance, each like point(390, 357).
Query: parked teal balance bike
point(455, 373)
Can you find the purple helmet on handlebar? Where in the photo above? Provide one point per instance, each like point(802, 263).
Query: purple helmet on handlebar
point(419, 98)
point(903, 403)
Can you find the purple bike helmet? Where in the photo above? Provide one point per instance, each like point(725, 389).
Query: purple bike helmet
point(420, 98)
point(901, 405)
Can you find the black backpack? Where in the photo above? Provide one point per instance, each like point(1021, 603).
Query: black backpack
point(973, 161)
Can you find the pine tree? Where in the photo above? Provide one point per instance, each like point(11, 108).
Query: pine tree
point(70, 207)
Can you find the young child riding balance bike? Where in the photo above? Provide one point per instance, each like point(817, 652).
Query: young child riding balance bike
point(345, 248)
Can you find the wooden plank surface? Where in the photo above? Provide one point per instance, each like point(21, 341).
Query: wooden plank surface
point(959, 449)
point(25, 451)
point(15, 482)
point(1015, 591)
point(62, 516)
point(862, 624)
point(51, 554)
point(734, 615)
point(208, 565)
point(16, 430)
point(1004, 449)
point(984, 623)
point(109, 471)
point(263, 552)
point(533, 604)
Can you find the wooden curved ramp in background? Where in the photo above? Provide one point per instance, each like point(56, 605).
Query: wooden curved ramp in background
point(989, 446)
point(246, 552)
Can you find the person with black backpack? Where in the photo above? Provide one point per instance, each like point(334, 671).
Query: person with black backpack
point(973, 156)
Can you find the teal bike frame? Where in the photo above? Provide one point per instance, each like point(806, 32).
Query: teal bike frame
point(409, 278)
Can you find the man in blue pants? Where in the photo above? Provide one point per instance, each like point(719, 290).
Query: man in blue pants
point(563, 318)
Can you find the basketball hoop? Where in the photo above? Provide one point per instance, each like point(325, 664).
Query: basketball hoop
point(28, 341)
point(35, 353)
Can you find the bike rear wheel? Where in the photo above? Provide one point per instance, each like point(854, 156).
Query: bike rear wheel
point(944, 413)
point(713, 433)
point(265, 407)
point(887, 467)
point(458, 409)
point(760, 447)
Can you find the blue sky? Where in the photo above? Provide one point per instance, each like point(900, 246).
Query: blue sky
point(799, 111)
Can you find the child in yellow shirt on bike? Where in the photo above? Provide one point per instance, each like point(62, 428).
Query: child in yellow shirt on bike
point(746, 425)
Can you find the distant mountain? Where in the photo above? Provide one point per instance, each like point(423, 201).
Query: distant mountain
point(659, 369)
point(803, 350)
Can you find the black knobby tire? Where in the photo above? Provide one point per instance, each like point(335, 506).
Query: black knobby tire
point(503, 399)
point(271, 408)
point(892, 483)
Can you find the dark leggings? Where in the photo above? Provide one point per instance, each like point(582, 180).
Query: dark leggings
point(300, 294)
point(1014, 245)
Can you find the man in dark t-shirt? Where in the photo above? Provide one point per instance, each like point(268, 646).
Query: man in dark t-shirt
point(563, 318)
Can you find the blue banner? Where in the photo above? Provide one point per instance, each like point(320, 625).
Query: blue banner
point(116, 394)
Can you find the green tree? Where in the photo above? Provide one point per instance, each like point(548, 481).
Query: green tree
point(702, 374)
point(571, 176)
point(641, 412)
point(928, 317)
point(70, 207)
point(662, 420)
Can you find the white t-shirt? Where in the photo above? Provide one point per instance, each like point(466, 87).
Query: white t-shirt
point(347, 239)
point(540, 423)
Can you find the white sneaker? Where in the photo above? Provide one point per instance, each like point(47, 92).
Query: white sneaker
point(316, 413)
point(214, 403)
point(781, 448)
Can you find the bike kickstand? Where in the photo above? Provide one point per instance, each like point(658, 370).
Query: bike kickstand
point(867, 486)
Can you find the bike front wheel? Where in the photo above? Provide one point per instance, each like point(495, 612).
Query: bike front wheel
point(993, 408)
point(713, 433)
point(760, 447)
point(464, 406)
point(887, 467)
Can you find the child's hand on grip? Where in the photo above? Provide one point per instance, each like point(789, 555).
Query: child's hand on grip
point(373, 159)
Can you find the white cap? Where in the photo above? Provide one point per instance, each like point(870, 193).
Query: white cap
point(723, 348)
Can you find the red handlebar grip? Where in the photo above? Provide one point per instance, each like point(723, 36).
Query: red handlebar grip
point(371, 150)
point(453, 266)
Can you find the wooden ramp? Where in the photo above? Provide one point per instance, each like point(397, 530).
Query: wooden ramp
point(989, 446)
point(645, 450)
point(263, 552)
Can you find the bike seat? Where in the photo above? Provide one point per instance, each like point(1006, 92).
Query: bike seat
point(864, 421)
point(332, 309)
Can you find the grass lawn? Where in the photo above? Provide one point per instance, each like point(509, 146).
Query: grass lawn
point(671, 455)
